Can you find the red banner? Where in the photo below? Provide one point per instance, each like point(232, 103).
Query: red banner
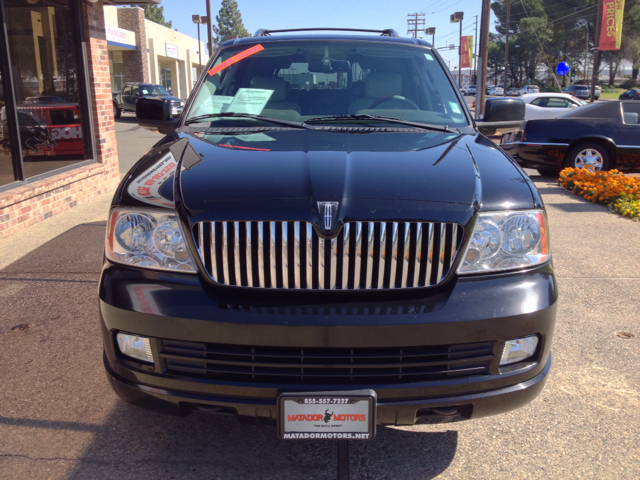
point(611, 26)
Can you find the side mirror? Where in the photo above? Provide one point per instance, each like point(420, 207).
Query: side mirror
point(155, 114)
point(504, 114)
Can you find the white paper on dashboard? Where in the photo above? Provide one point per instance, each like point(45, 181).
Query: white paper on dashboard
point(214, 104)
point(250, 100)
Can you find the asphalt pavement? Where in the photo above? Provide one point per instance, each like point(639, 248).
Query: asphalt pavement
point(59, 418)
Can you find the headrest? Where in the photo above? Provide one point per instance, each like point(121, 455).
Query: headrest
point(382, 84)
point(276, 84)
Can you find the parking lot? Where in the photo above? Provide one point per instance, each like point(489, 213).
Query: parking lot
point(60, 419)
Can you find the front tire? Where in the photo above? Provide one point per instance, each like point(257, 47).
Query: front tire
point(117, 112)
point(588, 155)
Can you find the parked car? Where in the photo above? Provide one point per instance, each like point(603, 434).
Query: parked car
point(579, 91)
point(546, 105)
point(472, 90)
point(53, 129)
point(494, 90)
point(598, 92)
point(126, 100)
point(631, 94)
point(599, 136)
point(369, 248)
point(513, 92)
point(529, 89)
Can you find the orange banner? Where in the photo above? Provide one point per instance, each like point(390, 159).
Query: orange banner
point(235, 58)
point(611, 26)
point(466, 51)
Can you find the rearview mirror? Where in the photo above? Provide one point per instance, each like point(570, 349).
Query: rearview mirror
point(504, 114)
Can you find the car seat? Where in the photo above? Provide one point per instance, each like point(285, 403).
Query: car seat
point(377, 85)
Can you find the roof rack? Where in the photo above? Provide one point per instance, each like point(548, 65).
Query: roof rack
point(389, 32)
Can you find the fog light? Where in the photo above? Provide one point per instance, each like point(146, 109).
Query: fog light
point(135, 346)
point(518, 349)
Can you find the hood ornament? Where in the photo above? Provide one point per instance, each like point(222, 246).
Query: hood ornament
point(328, 213)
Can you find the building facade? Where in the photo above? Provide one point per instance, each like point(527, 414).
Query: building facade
point(144, 51)
point(56, 123)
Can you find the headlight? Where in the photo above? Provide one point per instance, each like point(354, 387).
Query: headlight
point(518, 350)
point(135, 346)
point(147, 239)
point(506, 241)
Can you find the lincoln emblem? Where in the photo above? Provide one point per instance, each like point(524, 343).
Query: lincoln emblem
point(328, 211)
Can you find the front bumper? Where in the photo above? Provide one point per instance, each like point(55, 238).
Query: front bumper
point(467, 310)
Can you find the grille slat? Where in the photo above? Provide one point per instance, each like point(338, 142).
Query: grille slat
point(291, 365)
point(364, 255)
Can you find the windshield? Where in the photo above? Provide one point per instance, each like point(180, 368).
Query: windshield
point(300, 81)
point(153, 90)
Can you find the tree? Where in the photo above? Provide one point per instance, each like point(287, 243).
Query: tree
point(155, 14)
point(229, 23)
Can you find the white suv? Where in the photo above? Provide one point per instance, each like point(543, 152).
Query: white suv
point(529, 89)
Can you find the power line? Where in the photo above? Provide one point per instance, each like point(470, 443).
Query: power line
point(416, 24)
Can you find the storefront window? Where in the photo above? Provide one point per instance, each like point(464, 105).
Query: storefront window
point(164, 74)
point(45, 73)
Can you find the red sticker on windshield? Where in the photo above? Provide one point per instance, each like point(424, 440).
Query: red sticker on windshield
point(234, 59)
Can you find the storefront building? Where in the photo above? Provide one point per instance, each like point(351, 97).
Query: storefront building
point(57, 136)
point(144, 51)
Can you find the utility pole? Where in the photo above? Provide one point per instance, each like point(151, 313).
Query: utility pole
point(586, 51)
point(457, 18)
point(475, 58)
point(414, 25)
point(506, 50)
point(596, 52)
point(209, 30)
point(484, 56)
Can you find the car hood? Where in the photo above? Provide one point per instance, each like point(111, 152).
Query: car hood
point(162, 97)
point(284, 172)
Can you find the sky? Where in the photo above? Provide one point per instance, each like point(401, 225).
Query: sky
point(369, 14)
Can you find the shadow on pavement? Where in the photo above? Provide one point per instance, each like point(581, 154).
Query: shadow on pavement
point(135, 443)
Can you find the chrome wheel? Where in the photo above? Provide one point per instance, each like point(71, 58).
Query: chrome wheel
point(589, 158)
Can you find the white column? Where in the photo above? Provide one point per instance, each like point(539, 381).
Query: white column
point(175, 80)
point(153, 62)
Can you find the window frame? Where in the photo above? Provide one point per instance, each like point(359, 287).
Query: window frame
point(85, 105)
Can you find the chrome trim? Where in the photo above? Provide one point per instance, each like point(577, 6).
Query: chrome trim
point(358, 253)
point(272, 255)
point(383, 253)
point(394, 255)
point(249, 254)
point(443, 234)
point(285, 255)
point(369, 257)
point(333, 270)
point(536, 144)
point(405, 255)
point(321, 265)
point(309, 256)
point(628, 146)
point(419, 259)
point(225, 254)
point(297, 245)
point(393, 260)
point(214, 259)
point(345, 257)
point(426, 281)
point(201, 242)
point(236, 252)
point(261, 254)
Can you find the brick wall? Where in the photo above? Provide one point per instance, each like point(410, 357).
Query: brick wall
point(135, 63)
point(33, 202)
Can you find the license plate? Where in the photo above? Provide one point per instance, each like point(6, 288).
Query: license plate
point(340, 415)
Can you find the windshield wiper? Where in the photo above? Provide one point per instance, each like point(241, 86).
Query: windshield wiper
point(287, 123)
point(364, 116)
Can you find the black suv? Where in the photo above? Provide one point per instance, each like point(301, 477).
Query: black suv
point(325, 239)
point(132, 92)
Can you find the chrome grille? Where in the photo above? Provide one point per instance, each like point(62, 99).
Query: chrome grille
point(364, 255)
